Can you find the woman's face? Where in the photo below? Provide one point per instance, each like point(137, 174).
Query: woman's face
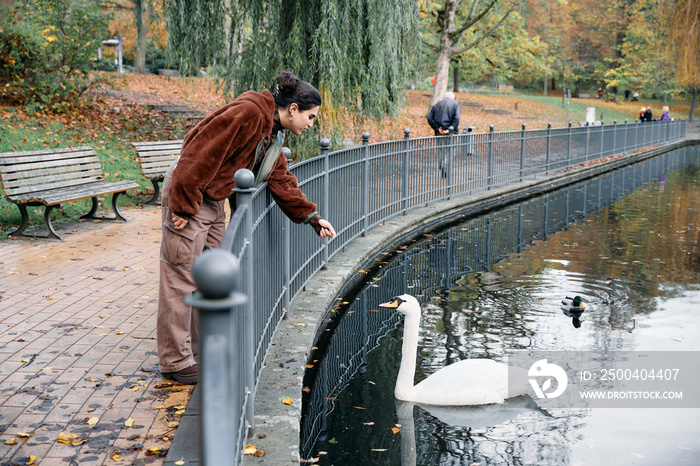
point(300, 120)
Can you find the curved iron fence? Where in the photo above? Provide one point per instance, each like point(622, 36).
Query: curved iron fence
point(357, 188)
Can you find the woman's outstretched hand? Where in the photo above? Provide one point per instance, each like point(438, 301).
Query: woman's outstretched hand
point(322, 227)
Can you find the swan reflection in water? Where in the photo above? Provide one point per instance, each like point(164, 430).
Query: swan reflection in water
point(470, 417)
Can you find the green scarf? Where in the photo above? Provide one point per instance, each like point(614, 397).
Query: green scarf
point(269, 159)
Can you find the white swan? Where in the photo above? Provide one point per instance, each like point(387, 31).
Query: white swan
point(467, 382)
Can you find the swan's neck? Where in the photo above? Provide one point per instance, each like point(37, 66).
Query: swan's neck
point(407, 371)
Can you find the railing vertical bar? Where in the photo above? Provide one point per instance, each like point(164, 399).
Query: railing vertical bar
point(406, 163)
point(549, 148)
point(489, 173)
point(325, 146)
point(568, 147)
point(365, 183)
point(522, 151)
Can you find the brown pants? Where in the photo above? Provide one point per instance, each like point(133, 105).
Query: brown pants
point(178, 251)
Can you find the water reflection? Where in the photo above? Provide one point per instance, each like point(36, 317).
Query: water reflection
point(628, 242)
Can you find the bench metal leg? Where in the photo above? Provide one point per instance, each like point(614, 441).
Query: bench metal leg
point(25, 221)
point(156, 193)
point(115, 206)
point(47, 221)
point(51, 233)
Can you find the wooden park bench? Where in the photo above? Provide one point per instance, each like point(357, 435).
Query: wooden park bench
point(155, 159)
point(51, 177)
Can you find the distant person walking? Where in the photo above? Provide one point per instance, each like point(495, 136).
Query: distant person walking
point(665, 116)
point(444, 114)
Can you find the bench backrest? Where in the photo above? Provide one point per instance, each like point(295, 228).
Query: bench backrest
point(156, 157)
point(41, 170)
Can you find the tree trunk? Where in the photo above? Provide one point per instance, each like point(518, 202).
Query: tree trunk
point(140, 19)
point(455, 78)
point(693, 104)
point(444, 53)
point(546, 82)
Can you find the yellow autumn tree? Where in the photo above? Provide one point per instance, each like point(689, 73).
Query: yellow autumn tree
point(683, 25)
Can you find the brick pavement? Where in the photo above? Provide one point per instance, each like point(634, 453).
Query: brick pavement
point(78, 350)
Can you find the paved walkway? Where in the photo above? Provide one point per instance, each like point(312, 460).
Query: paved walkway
point(79, 380)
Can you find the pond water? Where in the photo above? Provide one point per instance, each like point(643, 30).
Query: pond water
point(628, 242)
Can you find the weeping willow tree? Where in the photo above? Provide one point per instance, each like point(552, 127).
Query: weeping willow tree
point(354, 51)
point(683, 24)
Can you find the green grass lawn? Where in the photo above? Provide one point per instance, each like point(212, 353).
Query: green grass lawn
point(19, 132)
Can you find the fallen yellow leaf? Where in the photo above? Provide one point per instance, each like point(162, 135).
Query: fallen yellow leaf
point(249, 449)
point(179, 463)
point(66, 438)
point(173, 424)
point(287, 401)
point(395, 430)
point(11, 441)
point(129, 422)
point(32, 459)
point(92, 421)
point(24, 434)
point(115, 456)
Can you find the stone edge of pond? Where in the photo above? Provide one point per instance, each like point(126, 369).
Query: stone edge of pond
point(277, 425)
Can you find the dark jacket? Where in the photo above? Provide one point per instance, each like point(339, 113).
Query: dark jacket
point(225, 142)
point(444, 114)
point(648, 115)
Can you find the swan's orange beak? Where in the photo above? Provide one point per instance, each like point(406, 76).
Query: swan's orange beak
point(394, 303)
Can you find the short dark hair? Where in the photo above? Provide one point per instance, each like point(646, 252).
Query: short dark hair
point(291, 89)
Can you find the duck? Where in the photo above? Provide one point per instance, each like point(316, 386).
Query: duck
point(468, 382)
point(572, 304)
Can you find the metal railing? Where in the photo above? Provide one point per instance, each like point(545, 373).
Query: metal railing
point(356, 188)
